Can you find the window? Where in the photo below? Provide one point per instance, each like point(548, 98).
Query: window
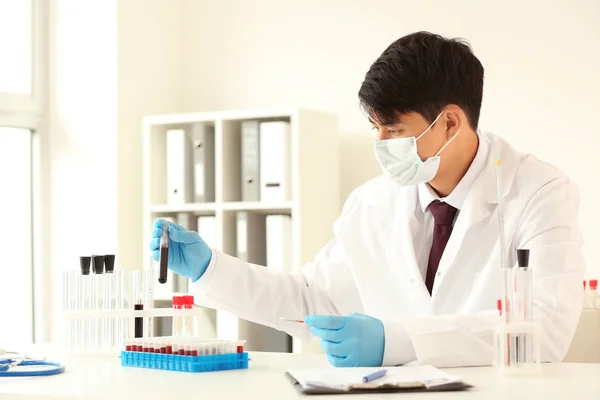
point(15, 42)
point(16, 292)
point(22, 108)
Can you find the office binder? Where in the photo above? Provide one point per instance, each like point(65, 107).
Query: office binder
point(250, 161)
point(207, 229)
point(251, 235)
point(251, 247)
point(279, 258)
point(179, 167)
point(279, 242)
point(204, 162)
point(275, 165)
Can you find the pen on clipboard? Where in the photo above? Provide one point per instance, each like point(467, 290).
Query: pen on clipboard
point(300, 321)
point(375, 375)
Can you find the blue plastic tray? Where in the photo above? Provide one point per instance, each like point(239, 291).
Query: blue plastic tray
point(170, 362)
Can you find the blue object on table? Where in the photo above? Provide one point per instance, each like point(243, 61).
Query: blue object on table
point(174, 362)
point(375, 375)
point(11, 367)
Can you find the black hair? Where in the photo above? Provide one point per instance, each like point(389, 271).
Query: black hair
point(423, 72)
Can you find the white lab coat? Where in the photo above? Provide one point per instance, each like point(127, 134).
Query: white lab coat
point(370, 267)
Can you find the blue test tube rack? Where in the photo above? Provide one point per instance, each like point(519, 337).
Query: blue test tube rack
point(175, 362)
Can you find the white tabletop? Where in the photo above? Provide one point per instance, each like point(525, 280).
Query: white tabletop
point(104, 378)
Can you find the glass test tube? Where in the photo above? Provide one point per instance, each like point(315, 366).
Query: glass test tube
point(109, 269)
point(124, 303)
point(163, 258)
point(149, 299)
point(524, 302)
point(73, 293)
point(65, 307)
point(99, 297)
point(177, 322)
point(138, 302)
point(188, 320)
point(84, 301)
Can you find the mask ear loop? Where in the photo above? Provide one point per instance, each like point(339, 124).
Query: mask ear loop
point(448, 142)
point(429, 127)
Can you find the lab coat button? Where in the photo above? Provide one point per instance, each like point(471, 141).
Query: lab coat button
point(439, 273)
point(412, 280)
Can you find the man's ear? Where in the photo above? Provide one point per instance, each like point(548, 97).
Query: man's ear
point(454, 117)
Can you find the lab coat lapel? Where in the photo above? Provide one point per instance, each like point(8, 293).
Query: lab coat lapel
point(479, 205)
point(397, 219)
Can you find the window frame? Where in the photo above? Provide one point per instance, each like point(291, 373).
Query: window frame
point(30, 112)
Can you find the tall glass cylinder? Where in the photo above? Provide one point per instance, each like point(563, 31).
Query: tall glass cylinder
point(65, 307)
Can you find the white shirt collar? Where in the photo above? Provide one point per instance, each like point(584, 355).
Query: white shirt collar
point(457, 198)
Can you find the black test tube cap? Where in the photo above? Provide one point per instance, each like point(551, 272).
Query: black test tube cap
point(98, 264)
point(523, 258)
point(109, 263)
point(84, 264)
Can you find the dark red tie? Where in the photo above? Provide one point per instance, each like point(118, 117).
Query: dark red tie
point(443, 216)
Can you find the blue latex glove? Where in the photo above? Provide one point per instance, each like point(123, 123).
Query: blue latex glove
point(189, 255)
point(356, 340)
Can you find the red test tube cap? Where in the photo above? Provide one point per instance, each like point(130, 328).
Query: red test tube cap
point(177, 300)
point(584, 284)
point(188, 300)
point(593, 284)
point(499, 306)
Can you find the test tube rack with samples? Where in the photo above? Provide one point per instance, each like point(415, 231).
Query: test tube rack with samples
point(517, 337)
point(97, 302)
point(187, 354)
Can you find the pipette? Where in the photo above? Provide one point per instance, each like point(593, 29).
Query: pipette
point(506, 271)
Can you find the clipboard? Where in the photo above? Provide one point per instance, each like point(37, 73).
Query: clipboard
point(398, 379)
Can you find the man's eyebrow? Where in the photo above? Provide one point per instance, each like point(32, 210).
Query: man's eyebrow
point(390, 122)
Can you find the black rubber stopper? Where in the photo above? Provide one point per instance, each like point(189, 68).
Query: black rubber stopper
point(109, 263)
point(84, 264)
point(523, 258)
point(98, 264)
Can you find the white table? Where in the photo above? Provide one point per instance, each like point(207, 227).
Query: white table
point(104, 378)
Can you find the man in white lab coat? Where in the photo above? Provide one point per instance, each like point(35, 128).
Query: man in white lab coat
point(413, 272)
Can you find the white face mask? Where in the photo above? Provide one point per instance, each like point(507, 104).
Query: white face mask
point(401, 162)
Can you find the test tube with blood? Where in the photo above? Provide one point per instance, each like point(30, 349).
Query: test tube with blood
point(163, 258)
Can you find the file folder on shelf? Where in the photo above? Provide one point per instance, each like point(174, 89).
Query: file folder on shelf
point(250, 161)
point(275, 163)
point(204, 162)
point(252, 248)
point(179, 167)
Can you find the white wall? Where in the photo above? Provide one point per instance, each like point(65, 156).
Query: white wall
point(149, 82)
point(541, 57)
point(82, 136)
point(111, 63)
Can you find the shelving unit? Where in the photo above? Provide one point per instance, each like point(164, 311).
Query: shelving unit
point(314, 204)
